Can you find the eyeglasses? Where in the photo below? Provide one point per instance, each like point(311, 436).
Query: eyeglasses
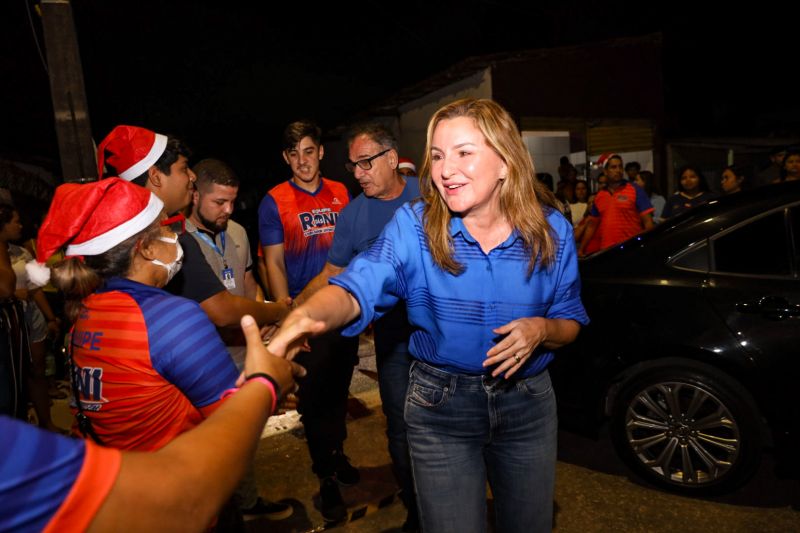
point(176, 223)
point(365, 164)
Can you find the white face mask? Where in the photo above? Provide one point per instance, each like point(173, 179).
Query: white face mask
point(174, 266)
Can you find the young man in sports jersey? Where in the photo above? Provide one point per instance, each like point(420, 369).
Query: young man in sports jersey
point(296, 223)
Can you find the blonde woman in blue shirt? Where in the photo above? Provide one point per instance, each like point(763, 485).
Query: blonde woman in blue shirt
point(488, 269)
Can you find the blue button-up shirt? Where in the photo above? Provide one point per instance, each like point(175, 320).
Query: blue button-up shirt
point(454, 314)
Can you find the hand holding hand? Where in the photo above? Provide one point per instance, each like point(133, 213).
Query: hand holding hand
point(259, 360)
point(522, 336)
point(292, 335)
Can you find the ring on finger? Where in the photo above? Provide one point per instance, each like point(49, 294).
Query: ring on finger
point(517, 358)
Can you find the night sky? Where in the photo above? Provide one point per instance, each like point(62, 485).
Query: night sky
point(209, 71)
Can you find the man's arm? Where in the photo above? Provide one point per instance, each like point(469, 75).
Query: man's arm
point(262, 272)
point(276, 272)
point(319, 281)
point(8, 280)
point(226, 309)
point(251, 288)
point(647, 220)
point(183, 485)
point(591, 227)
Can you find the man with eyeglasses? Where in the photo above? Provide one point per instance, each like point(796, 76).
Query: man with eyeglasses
point(373, 160)
point(296, 223)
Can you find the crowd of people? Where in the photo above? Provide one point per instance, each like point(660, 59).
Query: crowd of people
point(626, 204)
point(467, 275)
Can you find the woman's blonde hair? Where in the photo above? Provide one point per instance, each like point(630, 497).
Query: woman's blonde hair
point(521, 194)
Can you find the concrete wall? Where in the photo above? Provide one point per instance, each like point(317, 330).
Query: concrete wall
point(414, 115)
point(546, 150)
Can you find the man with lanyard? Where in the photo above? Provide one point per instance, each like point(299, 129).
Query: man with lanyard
point(374, 161)
point(296, 223)
point(223, 242)
point(160, 163)
point(620, 211)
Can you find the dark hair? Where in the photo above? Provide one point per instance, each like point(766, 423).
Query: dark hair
point(77, 277)
point(299, 130)
point(612, 156)
point(214, 171)
point(633, 165)
point(586, 184)
point(376, 131)
point(703, 185)
point(175, 148)
point(740, 173)
point(789, 152)
point(650, 185)
point(562, 191)
point(6, 214)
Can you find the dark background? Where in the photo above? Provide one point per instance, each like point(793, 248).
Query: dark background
point(210, 71)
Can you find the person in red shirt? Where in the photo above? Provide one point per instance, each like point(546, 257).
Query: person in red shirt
point(620, 211)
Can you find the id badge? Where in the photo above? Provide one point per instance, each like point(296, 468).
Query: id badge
point(227, 278)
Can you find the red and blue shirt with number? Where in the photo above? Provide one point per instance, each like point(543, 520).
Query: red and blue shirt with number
point(150, 365)
point(304, 223)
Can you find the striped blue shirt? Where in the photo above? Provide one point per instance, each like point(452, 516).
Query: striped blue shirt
point(453, 315)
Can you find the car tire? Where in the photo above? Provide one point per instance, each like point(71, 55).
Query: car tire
point(687, 428)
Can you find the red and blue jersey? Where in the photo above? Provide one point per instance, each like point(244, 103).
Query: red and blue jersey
point(147, 363)
point(49, 482)
point(304, 223)
point(620, 213)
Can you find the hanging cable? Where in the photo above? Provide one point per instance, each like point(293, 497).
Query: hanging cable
point(35, 37)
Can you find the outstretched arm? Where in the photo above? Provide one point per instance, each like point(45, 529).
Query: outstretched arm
point(183, 485)
point(329, 308)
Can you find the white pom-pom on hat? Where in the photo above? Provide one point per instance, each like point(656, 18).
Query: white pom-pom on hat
point(38, 273)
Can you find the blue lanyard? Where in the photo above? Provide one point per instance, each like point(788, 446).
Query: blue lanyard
point(211, 243)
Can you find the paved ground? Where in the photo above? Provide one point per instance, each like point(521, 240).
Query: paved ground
point(594, 492)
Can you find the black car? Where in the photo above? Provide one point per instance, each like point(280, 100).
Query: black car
point(693, 352)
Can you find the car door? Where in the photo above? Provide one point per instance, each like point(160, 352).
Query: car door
point(753, 285)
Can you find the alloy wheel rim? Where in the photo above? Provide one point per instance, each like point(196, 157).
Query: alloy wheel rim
point(683, 433)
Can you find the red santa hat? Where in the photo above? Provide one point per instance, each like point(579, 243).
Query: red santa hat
point(602, 161)
point(92, 218)
point(130, 150)
point(404, 162)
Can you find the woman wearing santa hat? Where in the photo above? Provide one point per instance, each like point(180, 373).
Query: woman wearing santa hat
point(147, 365)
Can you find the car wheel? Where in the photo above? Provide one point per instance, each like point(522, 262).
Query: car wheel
point(687, 429)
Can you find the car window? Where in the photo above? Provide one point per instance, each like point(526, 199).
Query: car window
point(760, 247)
point(693, 258)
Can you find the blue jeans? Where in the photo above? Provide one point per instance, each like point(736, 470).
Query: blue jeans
point(463, 430)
